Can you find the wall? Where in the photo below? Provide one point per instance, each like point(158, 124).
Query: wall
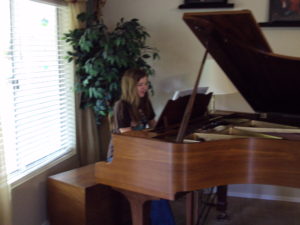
point(29, 199)
point(181, 55)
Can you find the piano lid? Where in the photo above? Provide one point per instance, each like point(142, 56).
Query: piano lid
point(268, 81)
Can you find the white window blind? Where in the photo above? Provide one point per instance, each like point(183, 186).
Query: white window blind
point(2, 169)
point(38, 108)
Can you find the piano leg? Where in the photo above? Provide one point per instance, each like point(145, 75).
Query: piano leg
point(139, 205)
point(222, 202)
point(191, 206)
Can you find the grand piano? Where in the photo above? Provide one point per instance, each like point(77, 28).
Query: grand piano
point(194, 149)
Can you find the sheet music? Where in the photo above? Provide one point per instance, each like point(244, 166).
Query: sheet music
point(181, 93)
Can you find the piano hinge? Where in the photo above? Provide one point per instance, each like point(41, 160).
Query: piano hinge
point(263, 115)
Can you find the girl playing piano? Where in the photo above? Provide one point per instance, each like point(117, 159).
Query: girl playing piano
point(134, 112)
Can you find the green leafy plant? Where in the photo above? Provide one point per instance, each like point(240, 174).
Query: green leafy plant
point(101, 57)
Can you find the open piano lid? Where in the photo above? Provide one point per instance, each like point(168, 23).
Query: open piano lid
point(269, 82)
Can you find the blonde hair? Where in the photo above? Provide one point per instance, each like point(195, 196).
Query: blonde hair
point(129, 91)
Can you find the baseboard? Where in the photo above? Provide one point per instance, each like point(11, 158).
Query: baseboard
point(264, 197)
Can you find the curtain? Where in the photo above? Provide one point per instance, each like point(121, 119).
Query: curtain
point(5, 197)
point(92, 140)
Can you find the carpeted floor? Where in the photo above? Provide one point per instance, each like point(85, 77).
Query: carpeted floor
point(244, 211)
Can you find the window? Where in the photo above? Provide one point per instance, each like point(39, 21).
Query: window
point(36, 86)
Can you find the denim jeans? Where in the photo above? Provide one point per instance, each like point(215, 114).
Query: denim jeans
point(161, 213)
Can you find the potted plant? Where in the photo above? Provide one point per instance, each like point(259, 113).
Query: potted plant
point(101, 56)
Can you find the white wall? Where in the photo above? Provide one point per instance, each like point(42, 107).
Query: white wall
point(181, 55)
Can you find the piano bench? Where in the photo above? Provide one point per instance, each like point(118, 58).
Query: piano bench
point(74, 198)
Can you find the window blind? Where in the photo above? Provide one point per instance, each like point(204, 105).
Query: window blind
point(39, 104)
point(2, 169)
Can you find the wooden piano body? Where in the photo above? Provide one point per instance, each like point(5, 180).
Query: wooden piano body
point(163, 169)
point(221, 148)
